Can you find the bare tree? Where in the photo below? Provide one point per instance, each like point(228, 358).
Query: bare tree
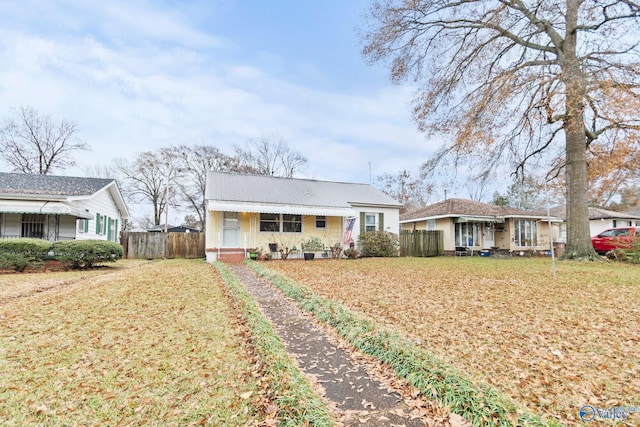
point(405, 188)
point(494, 72)
point(191, 165)
point(148, 178)
point(270, 155)
point(37, 144)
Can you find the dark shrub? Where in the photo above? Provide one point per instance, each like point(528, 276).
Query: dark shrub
point(378, 244)
point(33, 247)
point(86, 253)
point(16, 262)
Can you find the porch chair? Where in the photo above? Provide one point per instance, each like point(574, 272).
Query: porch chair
point(461, 251)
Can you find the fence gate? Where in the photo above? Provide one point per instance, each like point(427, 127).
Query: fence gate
point(421, 243)
point(143, 245)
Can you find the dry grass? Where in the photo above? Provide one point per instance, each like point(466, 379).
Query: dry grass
point(554, 345)
point(152, 343)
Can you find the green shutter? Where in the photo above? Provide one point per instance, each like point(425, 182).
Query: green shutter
point(361, 222)
point(86, 225)
point(115, 238)
point(381, 221)
point(97, 223)
point(108, 227)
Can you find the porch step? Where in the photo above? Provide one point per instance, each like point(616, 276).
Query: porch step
point(232, 255)
point(232, 258)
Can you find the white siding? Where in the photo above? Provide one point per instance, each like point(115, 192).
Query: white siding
point(391, 219)
point(101, 203)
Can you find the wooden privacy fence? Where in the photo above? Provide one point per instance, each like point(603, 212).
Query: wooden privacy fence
point(421, 243)
point(142, 245)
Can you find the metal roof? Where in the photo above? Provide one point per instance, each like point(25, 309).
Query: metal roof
point(260, 193)
point(50, 185)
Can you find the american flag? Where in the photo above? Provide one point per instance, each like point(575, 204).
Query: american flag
point(347, 232)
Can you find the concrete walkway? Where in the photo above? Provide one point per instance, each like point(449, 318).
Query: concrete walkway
point(359, 399)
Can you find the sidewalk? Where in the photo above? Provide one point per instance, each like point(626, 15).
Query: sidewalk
point(359, 399)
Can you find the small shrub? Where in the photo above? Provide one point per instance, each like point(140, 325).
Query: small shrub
point(378, 244)
point(351, 253)
point(16, 262)
point(313, 244)
point(79, 254)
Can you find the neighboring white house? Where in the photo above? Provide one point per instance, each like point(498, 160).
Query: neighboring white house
point(599, 220)
point(60, 207)
point(255, 211)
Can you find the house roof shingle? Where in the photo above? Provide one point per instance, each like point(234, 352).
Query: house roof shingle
point(229, 187)
point(460, 207)
point(49, 185)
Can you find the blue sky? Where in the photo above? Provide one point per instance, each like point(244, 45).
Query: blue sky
point(139, 75)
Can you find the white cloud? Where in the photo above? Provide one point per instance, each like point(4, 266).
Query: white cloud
point(168, 83)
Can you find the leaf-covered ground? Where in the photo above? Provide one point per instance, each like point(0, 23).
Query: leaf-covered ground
point(139, 343)
point(552, 344)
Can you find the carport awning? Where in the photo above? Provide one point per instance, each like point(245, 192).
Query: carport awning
point(42, 207)
point(494, 219)
point(282, 209)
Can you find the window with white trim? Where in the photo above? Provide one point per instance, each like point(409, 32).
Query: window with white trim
point(525, 232)
point(321, 221)
point(431, 224)
point(466, 234)
point(103, 225)
point(280, 223)
point(291, 223)
point(82, 225)
point(370, 222)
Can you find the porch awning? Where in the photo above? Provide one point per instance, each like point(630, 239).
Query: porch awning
point(493, 219)
point(282, 209)
point(42, 207)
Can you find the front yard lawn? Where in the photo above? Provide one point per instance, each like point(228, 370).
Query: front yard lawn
point(551, 344)
point(137, 343)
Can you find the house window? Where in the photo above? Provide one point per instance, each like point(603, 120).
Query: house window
point(103, 225)
point(280, 223)
point(269, 222)
point(112, 228)
point(321, 221)
point(82, 225)
point(431, 224)
point(33, 226)
point(291, 223)
point(525, 232)
point(620, 223)
point(370, 222)
point(466, 234)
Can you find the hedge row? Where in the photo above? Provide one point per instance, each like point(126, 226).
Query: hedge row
point(18, 254)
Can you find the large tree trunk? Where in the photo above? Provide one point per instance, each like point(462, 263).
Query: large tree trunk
point(578, 233)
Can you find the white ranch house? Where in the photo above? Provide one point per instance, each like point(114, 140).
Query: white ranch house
point(60, 207)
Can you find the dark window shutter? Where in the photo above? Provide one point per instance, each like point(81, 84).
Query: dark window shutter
point(381, 221)
point(97, 223)
point(361, 222)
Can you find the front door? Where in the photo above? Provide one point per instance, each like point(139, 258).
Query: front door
point(489, 236)
point(230, 230)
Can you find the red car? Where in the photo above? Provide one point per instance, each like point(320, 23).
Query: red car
point(614, 238)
